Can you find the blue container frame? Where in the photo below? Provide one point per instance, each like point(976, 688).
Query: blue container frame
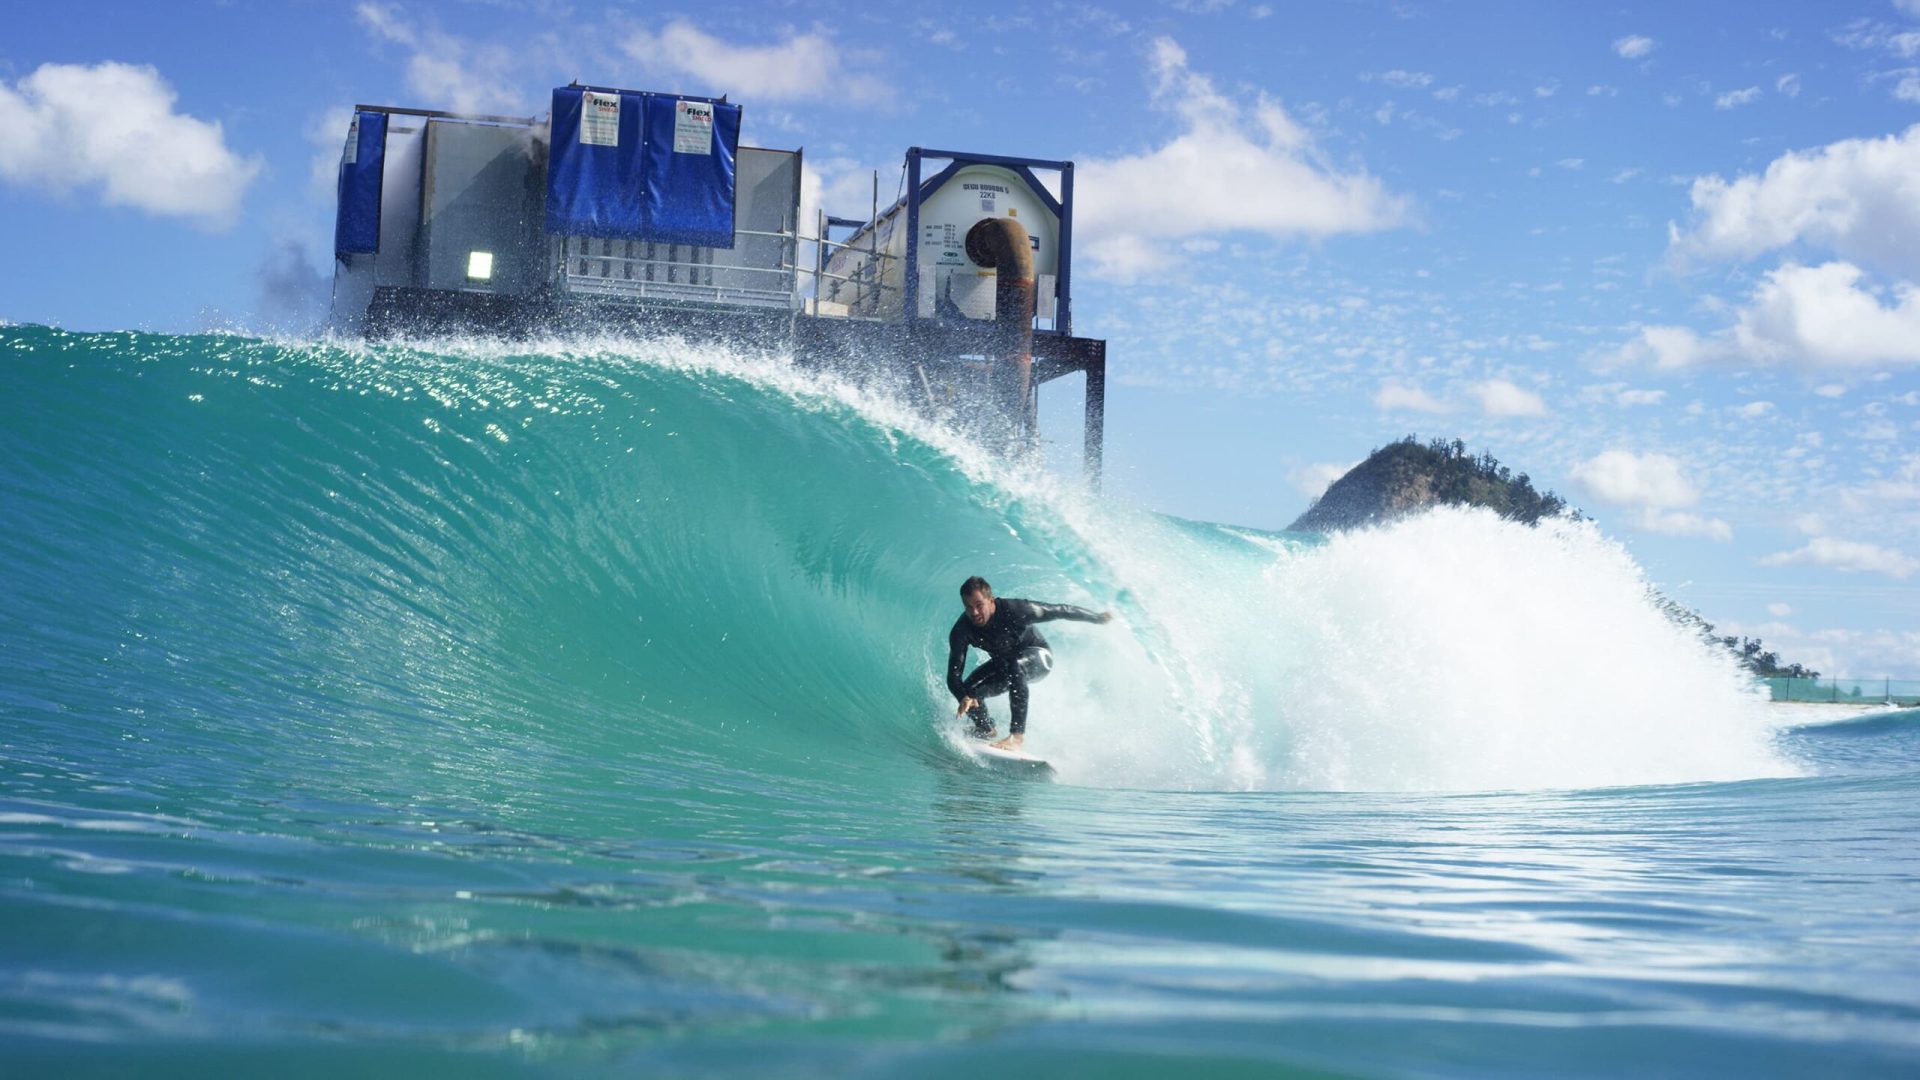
point(1023, 167)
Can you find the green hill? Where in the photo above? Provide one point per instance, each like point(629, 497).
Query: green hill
point(1407, 476)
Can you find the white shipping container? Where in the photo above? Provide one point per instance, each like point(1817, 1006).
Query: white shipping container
point(868, 275)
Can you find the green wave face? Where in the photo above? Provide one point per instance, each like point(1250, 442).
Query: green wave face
point(461, 709)
point(469, 561)
point(576, 568)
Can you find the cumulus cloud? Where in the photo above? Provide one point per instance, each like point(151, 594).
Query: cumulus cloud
point(1624, 478)
point(1234, 167)
point(1859, 198)
point(1313, 480)
point(1632, 397)
point(1733, 99)
point(1633, 46)
point(1849, 556)
point(1653, 488)
point(1779, 611)
point(1754, 410)
point(1810, 317)
point(799, 67)
point(112, 127)
point(447, 71)
point(1394, 395)
point(1498, 397)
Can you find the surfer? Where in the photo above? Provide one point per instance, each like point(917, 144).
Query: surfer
point(1016, 654)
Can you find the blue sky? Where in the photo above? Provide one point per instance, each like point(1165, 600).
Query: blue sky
point(1663, 257)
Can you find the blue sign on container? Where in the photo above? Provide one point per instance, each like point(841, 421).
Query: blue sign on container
point(356, 223)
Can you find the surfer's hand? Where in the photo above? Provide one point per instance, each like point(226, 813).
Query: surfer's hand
point(965, 704)
point(1106, 616)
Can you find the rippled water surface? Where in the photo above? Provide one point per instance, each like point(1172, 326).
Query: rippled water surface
point(466, 712)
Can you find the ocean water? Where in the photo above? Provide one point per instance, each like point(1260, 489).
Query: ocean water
point(475, 710)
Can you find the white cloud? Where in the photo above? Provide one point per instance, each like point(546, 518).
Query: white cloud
point(1640, 397)
point(448, 72)
point(1235, 167)
point(1779, 611)
point(327, 134)
point(1754, 410)
point(1633, 47)
point(1624, 478)
point(801, 67)
point(1498, 397)
point(1652, 487)
point(1886, 493)
point(1857, 197)
point(1682, 523)
point(1394, 395)
point(1811, 317)
point(1664, 347)
point(840, 185)
point(1787, 85)
point(113, 127)
point(1733, 99)
point(1820, 316)
point(1313, 480)
point(1878, 36)
point(1406, 80)
point(1850, 556)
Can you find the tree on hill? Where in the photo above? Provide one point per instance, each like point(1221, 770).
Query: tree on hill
point(1750, 652)
point(1406, 476)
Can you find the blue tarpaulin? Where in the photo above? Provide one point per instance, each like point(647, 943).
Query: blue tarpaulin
point(639, 166)
point(356, 224)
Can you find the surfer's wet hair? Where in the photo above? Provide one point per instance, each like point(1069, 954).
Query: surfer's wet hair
point(975, 584)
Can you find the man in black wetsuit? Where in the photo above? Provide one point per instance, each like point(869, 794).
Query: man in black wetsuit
point(1016, 654)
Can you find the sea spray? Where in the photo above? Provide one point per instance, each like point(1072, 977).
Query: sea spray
point(664, 550)
point(572, 707)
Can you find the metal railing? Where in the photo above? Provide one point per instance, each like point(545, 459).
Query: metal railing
point(607, 273)
point(639, 277)
point(1884, 690)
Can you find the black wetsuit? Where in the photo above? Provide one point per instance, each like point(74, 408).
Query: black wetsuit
point(1016, 656)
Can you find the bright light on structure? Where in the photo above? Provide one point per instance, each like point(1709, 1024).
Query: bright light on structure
point(479, 266)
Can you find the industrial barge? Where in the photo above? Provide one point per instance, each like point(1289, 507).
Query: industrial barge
point(636, 211)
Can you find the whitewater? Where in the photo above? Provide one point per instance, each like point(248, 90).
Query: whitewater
point(469, 707)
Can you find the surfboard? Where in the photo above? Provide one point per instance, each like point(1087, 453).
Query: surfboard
point(1013, 761)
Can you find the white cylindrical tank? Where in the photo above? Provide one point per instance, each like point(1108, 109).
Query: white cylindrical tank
point(868, 274)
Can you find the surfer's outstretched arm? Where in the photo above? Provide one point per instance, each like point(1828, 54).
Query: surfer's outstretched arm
point(1050, 612)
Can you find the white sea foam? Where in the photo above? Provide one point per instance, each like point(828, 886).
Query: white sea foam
point(1449, 651)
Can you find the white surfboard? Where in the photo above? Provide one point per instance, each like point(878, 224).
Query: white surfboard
point(1015, 761)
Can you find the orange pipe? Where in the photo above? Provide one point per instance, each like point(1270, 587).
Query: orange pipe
point(1001, 244)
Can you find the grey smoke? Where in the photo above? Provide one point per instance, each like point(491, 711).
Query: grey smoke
point(293, 295)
